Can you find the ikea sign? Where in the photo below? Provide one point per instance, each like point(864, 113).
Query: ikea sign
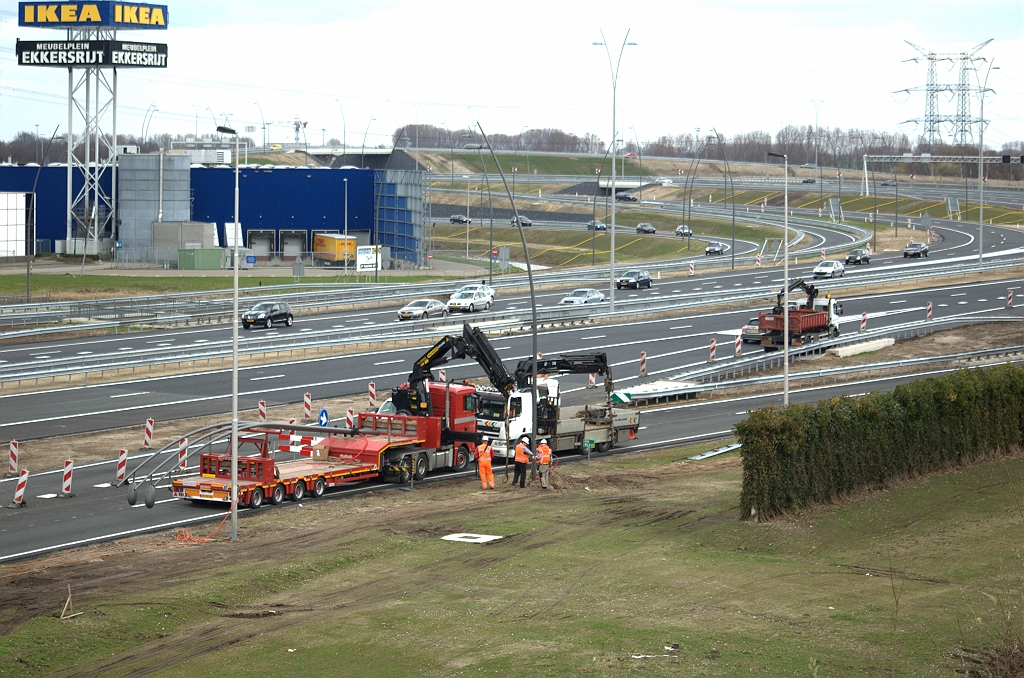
point(102, 14)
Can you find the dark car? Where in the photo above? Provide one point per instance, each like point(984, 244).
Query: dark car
point(915, 249)
point(625, 197)
point(525, 221)
point(460, 219)
point(644, 227)
point(267, 313)
point(634, 279)
point(808, 181)
point(596, 226)
point(858, 257)
point(714, 248)
point(683, 231)
point(888, 182)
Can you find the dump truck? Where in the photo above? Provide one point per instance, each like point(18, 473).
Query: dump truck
point(331, 249)
point(810, 320)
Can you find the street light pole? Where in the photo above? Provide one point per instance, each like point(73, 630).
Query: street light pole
point(640, 159)
point(981, 164)
point(234, 352)
point(615, 81)
point(345, 183)
point(344, 131)
point(263, 122)
point(362, 153)
point(785, 278)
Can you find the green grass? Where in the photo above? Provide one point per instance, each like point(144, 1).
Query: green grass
point(652, 554)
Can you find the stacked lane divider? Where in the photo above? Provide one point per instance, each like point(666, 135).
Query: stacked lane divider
point(739, 345)
point(182, 453)
point(643, 363)
point(147, 438)
point(373, 396)
point(863, 322)
point(928, 310)
point(122, 466)
point(19, 491)
point(712, 358)
point(263, 412)
point(65, 488)
point(307, 406)
point(592, 381)
point(13, 466)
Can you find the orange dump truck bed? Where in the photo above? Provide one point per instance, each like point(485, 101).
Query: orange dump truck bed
point(800, 320)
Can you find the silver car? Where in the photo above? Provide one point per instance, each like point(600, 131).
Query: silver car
point(421, 309)
point(583, 296)
point(470, 301)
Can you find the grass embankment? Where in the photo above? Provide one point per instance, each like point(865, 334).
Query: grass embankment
point(594, 577)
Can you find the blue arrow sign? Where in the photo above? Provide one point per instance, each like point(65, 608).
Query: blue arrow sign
point(324, 419)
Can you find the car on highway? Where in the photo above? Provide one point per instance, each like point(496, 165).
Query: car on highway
point(683, 231)
point(525, 221)
point(888, 182)
point(915, 249)
point(625, 197)
point(477, 287)
point(829, 269)
point(267, 313)
point(596, 226)
point(634, 278)
point(644, 227)
point(421, 309)
point(714, 248)
point(750, 333)
point(470, 301)
point(630, 155)
point(460, 219)
point(808, 180)
point(858, 256)
point(582, 296)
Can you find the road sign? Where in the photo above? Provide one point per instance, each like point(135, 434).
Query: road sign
point(251, 259)
point(118, 244)
point(323, 420)
point(680, 171)
point(515, 169)
point(597, 170)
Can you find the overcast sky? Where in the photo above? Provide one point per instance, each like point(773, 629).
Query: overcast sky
point(735, 66)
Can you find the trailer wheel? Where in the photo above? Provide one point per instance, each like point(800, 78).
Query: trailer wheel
point(299, 491)
point(319, 486)
point(462, 458)
point(256, 498)
point(278, 494)
point(403, 476)
point(420, 472)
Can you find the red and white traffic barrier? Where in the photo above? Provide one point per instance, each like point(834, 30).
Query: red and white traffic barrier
point(712, 358)
point(182, 452)
point(263, 412)
point(928, 310)
point(691, 268)
point(1009, 298)
point(592, 381)
point(757, 264)
point(443, 376)
point(69, 469)
point(823, 255)
point(19, 490)
point(863, 321)
point(147, 438)
point(122, 466)
point(372, 393)
point(307, 406)
point(739, 345)
point(643, 363)
point(13, 468)
point(350, 417)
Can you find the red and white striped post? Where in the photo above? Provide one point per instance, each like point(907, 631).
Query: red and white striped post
point(712, 358)
point(69, 469)
point(863, 321)
point(147, 438)
point(1009, 298)
point(263, 412)
point(823, 255)
point(443, 376)
point(350, 417)
point(19, 490)
point(739, 345)
point(757, 264)
point(373, 396)
point(592, 381)
point(691, 268)
point(928, 310)
point(13, 468)
point(122, 466)
point(182, 452)
point(307, 406)
point(643, 363)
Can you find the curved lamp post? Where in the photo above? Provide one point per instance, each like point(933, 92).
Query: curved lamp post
point(785, 277)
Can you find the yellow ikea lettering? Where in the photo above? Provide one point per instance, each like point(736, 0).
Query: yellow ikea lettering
point(68, 14)
point(30, 14)
point(143, 15)
point(117, 14)
point(47, 14)
point(89, 13)
point(131, 15)
point(156, 17)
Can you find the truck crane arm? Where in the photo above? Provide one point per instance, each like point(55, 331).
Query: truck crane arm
point(810, 290)
point(570, 363)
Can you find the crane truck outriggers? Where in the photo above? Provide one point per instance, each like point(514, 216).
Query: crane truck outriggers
point(810, 320)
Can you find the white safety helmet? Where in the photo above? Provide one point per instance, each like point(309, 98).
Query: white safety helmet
point(544, 441)
point(526, 439)
point(484, 439)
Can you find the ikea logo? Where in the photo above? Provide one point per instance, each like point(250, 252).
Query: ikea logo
point(83, 14)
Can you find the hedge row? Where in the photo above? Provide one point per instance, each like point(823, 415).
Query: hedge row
point(802, 454)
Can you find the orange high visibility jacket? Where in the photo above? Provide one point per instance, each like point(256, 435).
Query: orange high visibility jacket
point(484, 452)
point(522, 453)
point(543, 454)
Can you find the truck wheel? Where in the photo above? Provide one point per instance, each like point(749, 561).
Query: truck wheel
point(420, 472)
point(601, 448)
point(278, 494)
point(461, 458)
point(256, 498)
point(403, 475)
point(319, 486)
point(299, 491)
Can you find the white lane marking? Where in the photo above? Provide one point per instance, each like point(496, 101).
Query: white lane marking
point(743, 412)
point(41, 357)
point(201, 341)
point(85, 353)
point(962, 303)
point(982, 299)
point(158, 341)
point(162, 501)
point(900, 301)
point(943, 305)
point(129, 395)
point(596, 336)
point(681, 327)
point(389, 362)
point(962, 294)
point(126, 348)
point(103, 485)
point(269, 376)
point(45, 496)
point(306, 329)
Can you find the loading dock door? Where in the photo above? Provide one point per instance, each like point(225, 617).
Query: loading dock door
point(261, 243)
point(293, 244)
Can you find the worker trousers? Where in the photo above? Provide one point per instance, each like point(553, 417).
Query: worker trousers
point(520, 473)
point(543, 470)
point(486, 474)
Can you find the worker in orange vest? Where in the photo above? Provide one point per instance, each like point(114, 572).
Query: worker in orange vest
point(522, 460)
point(484, 455)
point(544, 462)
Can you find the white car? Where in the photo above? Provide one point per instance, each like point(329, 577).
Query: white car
point(470, 301)
point(829, 269)
point(477, 287)
point(583, 296)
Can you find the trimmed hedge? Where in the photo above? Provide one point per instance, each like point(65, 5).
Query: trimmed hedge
point(801, 454)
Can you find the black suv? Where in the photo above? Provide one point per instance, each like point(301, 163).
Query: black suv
point(644, 227)
point(267, 313)
point(525, 221)
point(634, 279)
point(625, 197)
point(460, 219)
point(915, 249)
point(859, 256)
point(596, 226)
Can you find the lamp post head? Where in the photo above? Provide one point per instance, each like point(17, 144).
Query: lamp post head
point(225, 130)
point(473, 147)
point(776, 155)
